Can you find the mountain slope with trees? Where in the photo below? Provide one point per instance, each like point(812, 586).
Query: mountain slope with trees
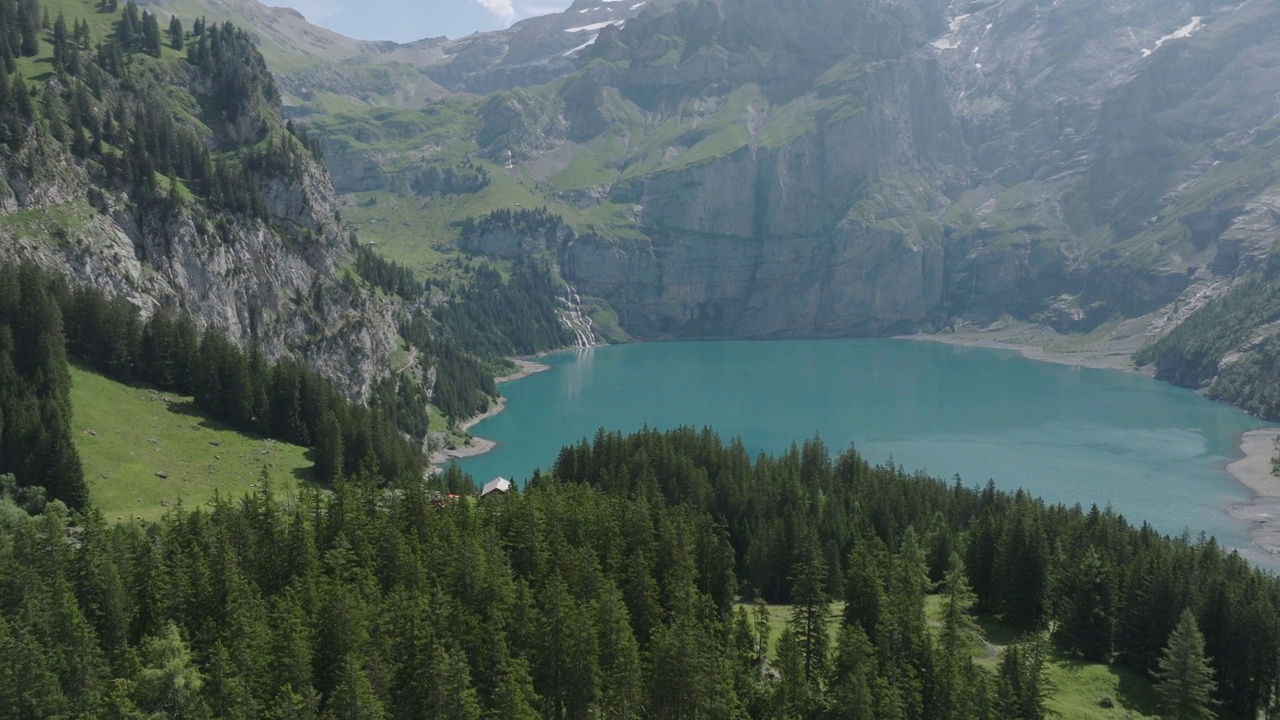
point(157, 166)
point(609, 587)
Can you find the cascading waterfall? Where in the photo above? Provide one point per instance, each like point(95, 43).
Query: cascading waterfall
point(576, 319)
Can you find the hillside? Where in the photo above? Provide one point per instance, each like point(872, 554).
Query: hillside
point(170, 178)
point(321, 72)
point(617, 584)
point(157, 166)
point(743, 169)
point(128, 435)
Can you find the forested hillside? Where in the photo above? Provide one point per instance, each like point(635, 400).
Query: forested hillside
point(43, 321)
point(609, 589)
point(1230, 348)
point(204, 204)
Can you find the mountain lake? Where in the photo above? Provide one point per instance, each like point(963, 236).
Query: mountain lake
point(1152, 451)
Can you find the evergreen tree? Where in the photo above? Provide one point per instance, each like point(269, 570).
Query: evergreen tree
point(1022, 686)
point(168, 683)
point(175, 33)
point(958, 636)
point(1086, 620)
point(811, 608)
point(621, 679)
point(1184, 678)
point(853, 676)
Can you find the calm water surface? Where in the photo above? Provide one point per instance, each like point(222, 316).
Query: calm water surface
point(1072, 435)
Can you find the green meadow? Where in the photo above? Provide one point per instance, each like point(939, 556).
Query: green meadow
point(129, 436)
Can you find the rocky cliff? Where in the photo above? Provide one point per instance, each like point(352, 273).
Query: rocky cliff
point(756, 168)
point(258, 255)
point(277, 289)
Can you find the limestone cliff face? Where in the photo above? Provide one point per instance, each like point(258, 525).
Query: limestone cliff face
point(771, 168)
point(825, 232)
point(278, 289)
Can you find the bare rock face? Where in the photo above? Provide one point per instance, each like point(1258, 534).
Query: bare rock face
point(836, 167)
point(240, 275)
point(826, 232)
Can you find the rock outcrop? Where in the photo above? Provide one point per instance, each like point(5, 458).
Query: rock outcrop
point(756, 168)
point(275, 284)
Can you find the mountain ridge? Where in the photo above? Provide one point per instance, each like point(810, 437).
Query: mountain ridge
point(1046, 166)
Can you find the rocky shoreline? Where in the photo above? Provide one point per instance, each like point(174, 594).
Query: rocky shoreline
point(1254, 472)
point(1036, 343)
point(478, 445)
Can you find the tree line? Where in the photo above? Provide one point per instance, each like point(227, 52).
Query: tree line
point(1194, 354)
point(283, 400)
point(461, 179)
point(36, 445)
point(613, 592)
point(467, 337)
point(1111, 592)
point(492, 317)
point(386, 275)
point(539, 223)
point(116, 114)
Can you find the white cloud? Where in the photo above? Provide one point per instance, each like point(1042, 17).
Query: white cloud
point(504, 10)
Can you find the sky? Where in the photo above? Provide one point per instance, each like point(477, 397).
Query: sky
point(406, 20)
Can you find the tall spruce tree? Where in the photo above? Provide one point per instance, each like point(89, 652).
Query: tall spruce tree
point(1022, 685)
point(175, 33)
point(811, 606)
point(1184, 678)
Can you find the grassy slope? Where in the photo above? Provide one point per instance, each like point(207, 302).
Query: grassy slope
point(1077, 686)
point(779, 615)
point(121, 462)
point(419, 232)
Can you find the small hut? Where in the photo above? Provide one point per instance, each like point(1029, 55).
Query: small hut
point(496, 485)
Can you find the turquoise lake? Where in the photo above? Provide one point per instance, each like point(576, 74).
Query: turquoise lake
point(1152, 451)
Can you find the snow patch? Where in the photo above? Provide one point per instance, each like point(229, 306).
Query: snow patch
point(582, 47)
point(638, 5)
point(595, 26)
point(1182, 32)
point(949, 41)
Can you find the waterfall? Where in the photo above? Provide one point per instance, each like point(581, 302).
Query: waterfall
point(576, 319)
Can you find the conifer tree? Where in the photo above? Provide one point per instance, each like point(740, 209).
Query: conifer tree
point(168, 683)
point(853, 676)
point(620, 668)
point(1184, 678)
point(29, 17)
point(958, 636)
point(452, 696)
point(1022, 686)
point(810, 609)
point(1086, 621)
point(175, 33)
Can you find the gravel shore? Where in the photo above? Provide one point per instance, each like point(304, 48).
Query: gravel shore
point(1254, 471)
point(478, 445)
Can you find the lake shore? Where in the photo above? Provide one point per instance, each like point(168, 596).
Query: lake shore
point(525, 369)
point(1036, 343)
point(1254, 472)
point(1115, 352)
point(478, 445)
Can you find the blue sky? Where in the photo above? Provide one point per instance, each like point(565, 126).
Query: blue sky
point(405, 20)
